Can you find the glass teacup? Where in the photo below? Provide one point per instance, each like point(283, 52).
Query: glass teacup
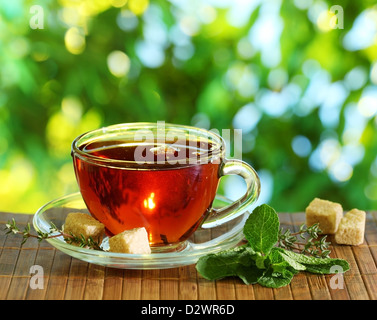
point(163, 178)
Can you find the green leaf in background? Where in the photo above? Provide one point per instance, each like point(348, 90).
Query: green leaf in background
point(261, 229)
point(303, 92)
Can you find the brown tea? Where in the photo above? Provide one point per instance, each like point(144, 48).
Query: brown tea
point(163, 188)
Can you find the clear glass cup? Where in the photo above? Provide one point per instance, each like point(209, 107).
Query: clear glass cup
point(161, 177)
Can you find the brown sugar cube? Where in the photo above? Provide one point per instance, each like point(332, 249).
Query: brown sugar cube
point(78, 224)
point(131, 241)
point(351, 228)
point(326, 213)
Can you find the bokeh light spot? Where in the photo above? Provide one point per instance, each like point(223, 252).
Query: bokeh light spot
point(72, 108)
point(138, 7)
point(118, 3)
point(118, 63)
point(326, 21)
point(74, 40)
point(367, 105)
point(301, 146)
point(127, 20)
point(341, 171)
point(247, 118)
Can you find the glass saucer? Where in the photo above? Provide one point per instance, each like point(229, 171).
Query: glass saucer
point(202, 242)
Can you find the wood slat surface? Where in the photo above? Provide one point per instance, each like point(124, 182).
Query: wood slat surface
point(66, 278)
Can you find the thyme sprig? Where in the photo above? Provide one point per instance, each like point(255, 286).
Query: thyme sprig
point(54, 232)
point(315, 245)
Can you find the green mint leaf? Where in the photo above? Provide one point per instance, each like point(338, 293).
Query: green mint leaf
point(260, 261)
point(278, 255)
point(262, 228)
point(279, 272)
point(274, 280)
point(319, 265)
point(238, 261)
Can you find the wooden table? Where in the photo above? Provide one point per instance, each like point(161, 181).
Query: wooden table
point(66, 278)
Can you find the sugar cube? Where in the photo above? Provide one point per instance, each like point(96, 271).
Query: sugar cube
point(351, 228)
point(326, 213)
point(78, 223)
point(131, 241)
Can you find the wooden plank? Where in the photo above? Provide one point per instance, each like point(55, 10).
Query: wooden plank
point(188, 285)
point(243, 291)
point(300, 287)
point(371, 230)
point(346, 253)
point(206, 289)
point(132, 284)
point(225, 289)
point(356, 288)
point(3, 236)
point(4, 285)
point(8, 260)
point(371, 236)
point(13, 241)
point(337, 287)
point(6, 216)
point(20, 218)
point(44, 258)
point(21, 276)
point(370, 282)
point(263, 293)
point(58, 276)
point(373, 215)
point(169, 284)
point(150, 285)
point(283, 293)
point(352, 278)
point(364, 259)
point(318, 287)
point(113, 284)
point(76, 280)
point(94, 282)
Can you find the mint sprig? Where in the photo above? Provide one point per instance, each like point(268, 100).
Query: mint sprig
point(261, 260)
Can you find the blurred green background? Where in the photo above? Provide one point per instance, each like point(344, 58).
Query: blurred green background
point(296, 76)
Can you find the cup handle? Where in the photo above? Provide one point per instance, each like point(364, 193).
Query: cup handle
point(220, 216)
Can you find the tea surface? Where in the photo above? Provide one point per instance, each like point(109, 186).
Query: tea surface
point(174, 154)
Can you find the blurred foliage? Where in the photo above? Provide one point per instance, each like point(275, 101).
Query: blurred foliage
point(302, 87)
